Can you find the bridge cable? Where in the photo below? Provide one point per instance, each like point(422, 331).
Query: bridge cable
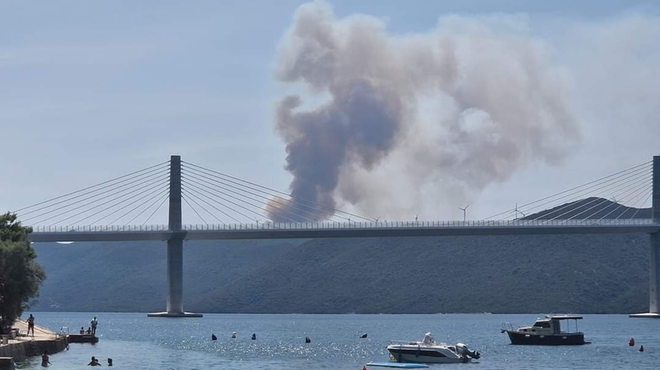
point(117, 194)
point(632, 194)
point(598, 200)
point(202, 194)
point(647, 198)
point(619, 207)
point(163, 194)
point(576, 191)
point(569, 206)
point(262, 205)
point(89, 187)
point(104, 200)
point(642, 197)
point(572, 189)
point(199, 197)
point(210, 195)
point(155, 210)
point(163, 190)
point(314, 204)
point(146, 176)
point(142, 193)
point(259, 198)
point(192, 199)
point(257, 206)
point(593, 187)
point(193, 208)
point(186, 195)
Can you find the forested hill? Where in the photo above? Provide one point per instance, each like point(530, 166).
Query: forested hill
point(591, 208)
point(504, 274)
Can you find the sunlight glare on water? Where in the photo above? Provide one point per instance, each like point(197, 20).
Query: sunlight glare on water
point(134, 341)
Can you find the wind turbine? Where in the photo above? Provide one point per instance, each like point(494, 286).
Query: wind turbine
point(516, 211)
point(464, 209)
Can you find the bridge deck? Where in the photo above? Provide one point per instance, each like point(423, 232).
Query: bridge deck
point(346, 230)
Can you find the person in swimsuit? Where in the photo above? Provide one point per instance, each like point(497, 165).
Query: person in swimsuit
point(45, 361)
point(30, 322)
point(94, 362)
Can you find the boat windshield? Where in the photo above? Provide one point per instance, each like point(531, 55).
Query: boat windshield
point(542, 324)
point(568, 326)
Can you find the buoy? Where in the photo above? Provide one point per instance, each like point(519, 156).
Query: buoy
point(363, 335)
point(631, 342)
point(254, 336)
point(233, 335)
point(213, 337)
point(641, 348)
point(307, 340)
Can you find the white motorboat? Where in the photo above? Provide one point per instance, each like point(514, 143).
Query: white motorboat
point(429, 352)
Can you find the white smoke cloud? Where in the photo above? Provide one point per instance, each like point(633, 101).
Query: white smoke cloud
point(416, 122)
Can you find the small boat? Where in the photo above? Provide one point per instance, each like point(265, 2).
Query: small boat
point(429, 352)
point(396, 365)
point(547, 331)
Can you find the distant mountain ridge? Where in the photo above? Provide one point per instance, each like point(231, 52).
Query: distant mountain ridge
point(591, 208)
point(499, 274)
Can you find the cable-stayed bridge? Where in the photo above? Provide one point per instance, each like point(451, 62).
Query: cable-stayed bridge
point(230, 208)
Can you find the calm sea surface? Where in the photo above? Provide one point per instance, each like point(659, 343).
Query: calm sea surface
point(134, 341)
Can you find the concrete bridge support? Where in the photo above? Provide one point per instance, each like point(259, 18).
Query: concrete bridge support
point(175, 248)
point(654, 261)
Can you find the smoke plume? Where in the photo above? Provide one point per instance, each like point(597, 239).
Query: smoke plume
point(392, 122)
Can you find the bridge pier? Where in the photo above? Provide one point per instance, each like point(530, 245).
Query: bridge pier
point(654, 260)
point(654, 279)
point(175, 248)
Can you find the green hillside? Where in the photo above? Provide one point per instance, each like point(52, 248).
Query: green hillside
point(512, 274)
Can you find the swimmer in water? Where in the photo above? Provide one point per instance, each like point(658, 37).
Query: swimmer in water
point(45, 361)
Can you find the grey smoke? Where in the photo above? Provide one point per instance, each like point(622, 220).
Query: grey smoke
point(461, 106)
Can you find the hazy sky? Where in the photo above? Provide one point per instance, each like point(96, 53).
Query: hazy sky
point(92, 90)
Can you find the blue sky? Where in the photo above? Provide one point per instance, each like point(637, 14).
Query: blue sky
point(91, 90)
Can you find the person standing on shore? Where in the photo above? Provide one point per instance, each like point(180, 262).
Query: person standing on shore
point(30, 322)
point(94, 323)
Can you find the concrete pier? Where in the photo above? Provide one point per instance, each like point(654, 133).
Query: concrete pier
point(23, 346)
point(6, 363)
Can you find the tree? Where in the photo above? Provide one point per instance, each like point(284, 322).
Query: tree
point(20, 274)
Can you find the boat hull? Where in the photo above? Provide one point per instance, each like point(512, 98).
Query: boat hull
point(546, 340)
point(415, 355)
point(396, 365)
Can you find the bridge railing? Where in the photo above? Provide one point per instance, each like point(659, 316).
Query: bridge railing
point(344, 225)
point(414, 224)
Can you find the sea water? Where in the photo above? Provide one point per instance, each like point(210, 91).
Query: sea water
point(134, 341)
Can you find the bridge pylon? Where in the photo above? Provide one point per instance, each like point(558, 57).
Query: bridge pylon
point(175, 248)
point(654, 260)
